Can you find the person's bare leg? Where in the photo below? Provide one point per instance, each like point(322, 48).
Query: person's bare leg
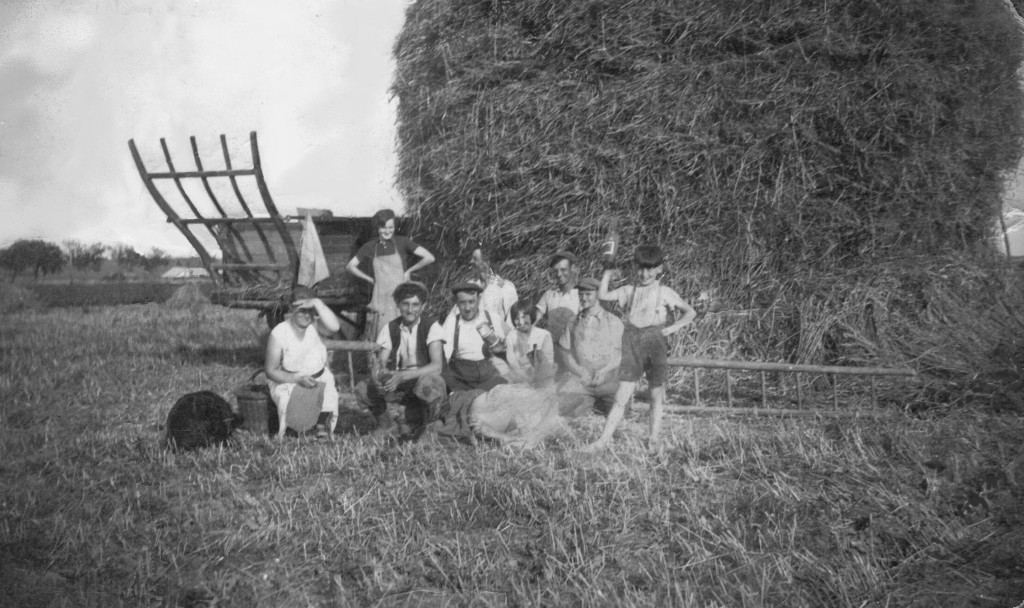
point(332, 423)
point(657, 413)
point(622, 395)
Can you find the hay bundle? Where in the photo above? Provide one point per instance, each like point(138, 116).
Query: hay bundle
point(187, 296)
point(785, 153)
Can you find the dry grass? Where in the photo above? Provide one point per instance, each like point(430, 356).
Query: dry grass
point(731, 512)
point(14, 298)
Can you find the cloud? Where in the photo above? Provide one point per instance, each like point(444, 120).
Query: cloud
point(79, 78)
point(49, 37)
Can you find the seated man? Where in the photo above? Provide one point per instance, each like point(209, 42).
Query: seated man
point(591, 347)
point(471, 338)
point(410, 362)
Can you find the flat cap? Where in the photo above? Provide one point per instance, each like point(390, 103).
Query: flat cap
point(588, 283)
point(467, 286)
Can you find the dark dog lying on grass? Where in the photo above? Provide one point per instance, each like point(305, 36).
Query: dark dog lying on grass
point(200, 420)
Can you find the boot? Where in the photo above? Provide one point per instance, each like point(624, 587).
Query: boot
point(386, 426)
point(438, 409)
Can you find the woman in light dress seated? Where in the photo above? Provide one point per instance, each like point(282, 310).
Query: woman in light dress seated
point(297, 357)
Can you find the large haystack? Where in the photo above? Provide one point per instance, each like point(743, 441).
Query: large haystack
point(826, 165)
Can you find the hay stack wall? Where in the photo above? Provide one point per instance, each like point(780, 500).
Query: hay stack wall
point(831, 168)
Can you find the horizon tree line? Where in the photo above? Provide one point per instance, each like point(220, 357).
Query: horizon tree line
point(43, 258)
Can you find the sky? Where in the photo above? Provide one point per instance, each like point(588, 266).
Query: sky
point(79, 78)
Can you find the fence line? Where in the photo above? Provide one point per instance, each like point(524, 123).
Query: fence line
point(697, 364)
point(762, 368)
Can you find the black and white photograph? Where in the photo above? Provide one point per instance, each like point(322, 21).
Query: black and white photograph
point(512, 303)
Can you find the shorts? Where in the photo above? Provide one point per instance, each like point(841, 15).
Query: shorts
point(644, 349)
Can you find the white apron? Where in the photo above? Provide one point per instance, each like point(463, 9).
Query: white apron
point(388, 273)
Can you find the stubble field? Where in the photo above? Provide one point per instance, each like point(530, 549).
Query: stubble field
point(920, 510)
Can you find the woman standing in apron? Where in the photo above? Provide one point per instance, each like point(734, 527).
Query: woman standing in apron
point(387, 258)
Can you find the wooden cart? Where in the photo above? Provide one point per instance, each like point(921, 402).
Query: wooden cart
point(258, 260)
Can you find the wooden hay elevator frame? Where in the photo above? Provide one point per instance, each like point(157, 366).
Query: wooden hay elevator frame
point(258, 262)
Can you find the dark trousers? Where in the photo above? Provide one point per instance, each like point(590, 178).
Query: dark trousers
point(377, 402)
point(466, 375)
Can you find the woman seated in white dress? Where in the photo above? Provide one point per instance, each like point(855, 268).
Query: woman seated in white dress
point(529, 349)
point(296, 356)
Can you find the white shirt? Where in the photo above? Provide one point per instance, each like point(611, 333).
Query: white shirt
point(559, 308)
point(518, 347)
point(497, 298)
point(646, 305)
point(306, 355)
point(471, 344)
point(407, 342)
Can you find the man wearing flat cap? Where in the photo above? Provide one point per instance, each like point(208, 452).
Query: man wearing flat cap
point(499, 293)
point(408, 367)
point(591, 347)
point(558, 306)
point(471, 338)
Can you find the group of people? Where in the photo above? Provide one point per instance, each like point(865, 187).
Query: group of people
point(427, 370)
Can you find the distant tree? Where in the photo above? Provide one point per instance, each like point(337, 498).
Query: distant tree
point(157, 257)
point(83, 257)
point(7, 262)
point(51, 260)
point(35, 254)
point(127, 258)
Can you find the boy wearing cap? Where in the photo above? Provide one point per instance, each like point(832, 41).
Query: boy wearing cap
point(471, 338)
point(591, 347)
point(411, 359)
point(644, 340)
point(558, 306)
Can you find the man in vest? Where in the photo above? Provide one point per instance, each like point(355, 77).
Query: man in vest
point(410, 362)
point(471, 338)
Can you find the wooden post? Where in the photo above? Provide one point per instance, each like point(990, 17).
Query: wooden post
point(764, 389)
point(696, 387)
point(728, 388)
point(351, 371)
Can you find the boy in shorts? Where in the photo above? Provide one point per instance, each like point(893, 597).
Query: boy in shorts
point(646, 306)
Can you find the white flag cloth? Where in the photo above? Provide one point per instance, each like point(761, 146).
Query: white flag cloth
point(312, 263)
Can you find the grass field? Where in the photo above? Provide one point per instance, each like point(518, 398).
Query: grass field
point(903, 511)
